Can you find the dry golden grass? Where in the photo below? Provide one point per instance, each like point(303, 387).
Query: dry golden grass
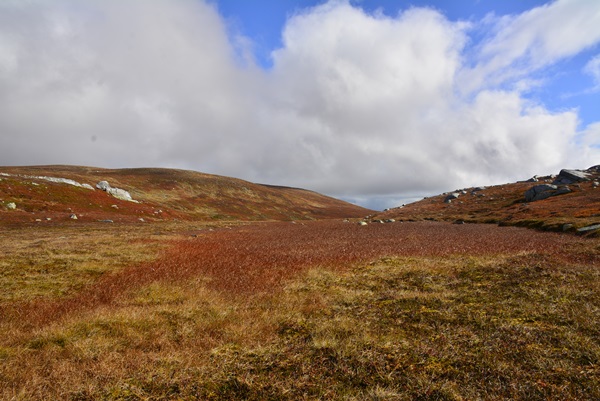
point(318, 311)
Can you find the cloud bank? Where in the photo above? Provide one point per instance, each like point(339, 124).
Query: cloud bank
point(357, 105)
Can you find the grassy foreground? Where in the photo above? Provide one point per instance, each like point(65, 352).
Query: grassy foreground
point(494, 327)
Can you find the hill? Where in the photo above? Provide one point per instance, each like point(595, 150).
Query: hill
point(49, 194)
point(565, 202)
point(196, 310)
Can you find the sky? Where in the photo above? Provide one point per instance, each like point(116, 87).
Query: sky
point(377, 102)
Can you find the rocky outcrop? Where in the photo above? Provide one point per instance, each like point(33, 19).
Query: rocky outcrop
point(545, 191)
point(566, 177)
point(560, 184)
point(451, 197)
point(115, 192)
point(57, 180)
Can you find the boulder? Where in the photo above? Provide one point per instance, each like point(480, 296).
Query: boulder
point(589, 228)
point(543, 191)
point(103, 185)
point(571, 176)
point(451, 197)
point(120, 194)
point(593, 169)
point(115, 192)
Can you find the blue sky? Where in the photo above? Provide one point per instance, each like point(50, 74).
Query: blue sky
point(264, 20)
point(566, 86)
point(376, 102)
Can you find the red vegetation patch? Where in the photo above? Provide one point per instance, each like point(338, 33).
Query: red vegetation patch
point(251, 259)
point(506, 204)
point(178, 194)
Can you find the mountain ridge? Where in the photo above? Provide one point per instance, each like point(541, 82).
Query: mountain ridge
point(158, 194)
point(570, 204)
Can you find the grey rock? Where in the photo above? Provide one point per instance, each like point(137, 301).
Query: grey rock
point(103, 185)
point(539, 192)
point(451, 197)
point(594, 169)
point(73, 216)
point(115, 192)
point(562, 191)
point(571, 176)
point(588, 228)
point(120, 194)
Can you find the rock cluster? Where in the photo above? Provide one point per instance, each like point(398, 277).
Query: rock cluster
point(560, 185)
point(115, 192)
point(449, 198)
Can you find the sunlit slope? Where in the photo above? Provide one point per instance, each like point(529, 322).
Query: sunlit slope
point(158, 194)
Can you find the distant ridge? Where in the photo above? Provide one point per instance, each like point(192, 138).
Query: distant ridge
point(572, 204)
point(158, 194)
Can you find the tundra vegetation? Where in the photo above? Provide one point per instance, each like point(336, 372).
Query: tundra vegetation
point(312, 310)
point(201, 292)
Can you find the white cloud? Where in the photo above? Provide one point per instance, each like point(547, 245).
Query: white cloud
point(524, 43)
point(356, 105)
point(593, 69)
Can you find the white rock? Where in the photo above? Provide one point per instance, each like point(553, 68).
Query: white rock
point(120, 194)
point(11, 206)
point(103, 185)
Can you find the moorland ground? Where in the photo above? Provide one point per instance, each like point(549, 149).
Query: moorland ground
point(304, 310)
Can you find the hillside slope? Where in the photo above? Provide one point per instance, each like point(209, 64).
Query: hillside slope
point(506, 204)
point(31, 194)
